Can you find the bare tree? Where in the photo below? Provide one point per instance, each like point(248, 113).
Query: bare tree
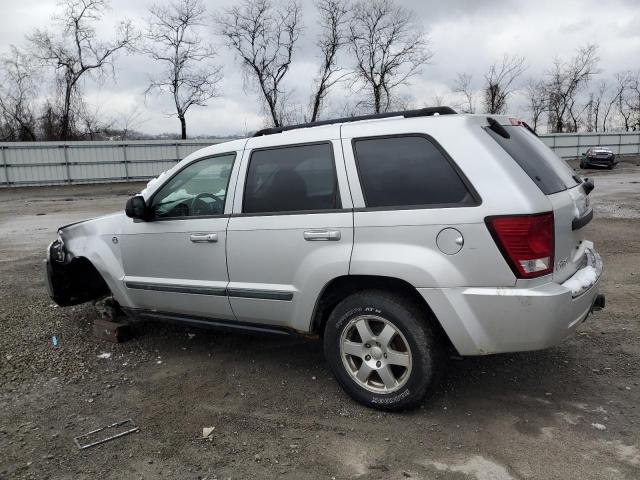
point(566, 80)
point(624, 97)
point(264, 35)
point(128, 123)
point(634, 100)
point(608, 98)
point(48, 122)
point(172, 41)
point(499, 82)
point(437, 101)
point(576, 111)
point(389, 48)
point(17, 91)
point(75, 50)
point(93, 123)
point(597, 105)
point(462, 86)
point(333, 20)
point(537, 101)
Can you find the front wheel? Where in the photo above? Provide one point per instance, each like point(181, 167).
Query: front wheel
point(382, 349)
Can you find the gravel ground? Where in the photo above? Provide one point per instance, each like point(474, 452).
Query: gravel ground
point(572, 411)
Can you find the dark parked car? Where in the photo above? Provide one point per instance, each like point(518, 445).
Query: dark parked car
point(598, 157)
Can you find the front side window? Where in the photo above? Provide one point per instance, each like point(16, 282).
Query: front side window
point(198, 190)
point(291, 179)
point(408, 171)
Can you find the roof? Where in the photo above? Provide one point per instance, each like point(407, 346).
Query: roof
point(423, 112)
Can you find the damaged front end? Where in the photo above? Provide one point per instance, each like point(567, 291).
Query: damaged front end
point(71, 280)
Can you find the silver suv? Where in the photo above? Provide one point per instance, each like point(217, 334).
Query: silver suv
point(392, 237)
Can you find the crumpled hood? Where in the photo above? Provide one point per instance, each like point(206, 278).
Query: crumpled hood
point(102, 225)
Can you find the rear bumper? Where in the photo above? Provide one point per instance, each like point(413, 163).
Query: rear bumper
point(481, 321)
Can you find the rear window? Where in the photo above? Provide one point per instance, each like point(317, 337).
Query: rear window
point(408, 171)
point(545, 168)
point(291, 179)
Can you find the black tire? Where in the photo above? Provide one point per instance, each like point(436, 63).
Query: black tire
point(415, 325)
point(611, 166)
point(582, 164)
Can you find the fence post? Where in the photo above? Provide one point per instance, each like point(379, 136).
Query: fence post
point(126, 166)
point(66, 162)
point(4, 165)
point(177, 152)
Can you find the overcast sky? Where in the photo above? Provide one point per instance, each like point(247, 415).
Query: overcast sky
point(466, 36)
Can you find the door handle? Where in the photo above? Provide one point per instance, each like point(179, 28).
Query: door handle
point(322, 235)
point(204, 237)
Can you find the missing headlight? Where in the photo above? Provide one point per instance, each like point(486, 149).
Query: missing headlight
point(57, 252)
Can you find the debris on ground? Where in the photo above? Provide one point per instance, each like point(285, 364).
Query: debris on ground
point(125, 426)
point(115, 332)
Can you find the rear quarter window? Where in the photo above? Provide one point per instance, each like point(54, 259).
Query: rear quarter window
point(408, 171)
point(540, 163)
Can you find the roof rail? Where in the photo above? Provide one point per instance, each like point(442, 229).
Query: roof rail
point(422, 112)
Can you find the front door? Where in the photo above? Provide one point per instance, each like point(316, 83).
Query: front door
point(291, 231)
point(176, 262)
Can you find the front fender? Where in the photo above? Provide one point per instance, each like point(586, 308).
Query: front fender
point(97, 241)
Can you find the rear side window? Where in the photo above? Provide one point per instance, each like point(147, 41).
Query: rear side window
point(545, 168)
point(290, 179)
point(408, 171)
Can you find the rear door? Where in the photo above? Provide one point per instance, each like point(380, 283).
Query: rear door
point(570, 203)
point(291, 230)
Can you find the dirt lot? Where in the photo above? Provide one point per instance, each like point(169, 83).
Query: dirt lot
point(568, 412)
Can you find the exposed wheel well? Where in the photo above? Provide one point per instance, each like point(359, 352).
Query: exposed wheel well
point(77, 282)
point(341, 287)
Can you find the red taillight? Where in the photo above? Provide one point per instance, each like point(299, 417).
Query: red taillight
point(526, 241)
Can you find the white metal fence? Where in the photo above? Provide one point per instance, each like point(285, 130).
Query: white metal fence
point(51, 163)
point(573, 145)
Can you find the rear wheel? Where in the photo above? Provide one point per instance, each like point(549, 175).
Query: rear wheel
point(382, 349)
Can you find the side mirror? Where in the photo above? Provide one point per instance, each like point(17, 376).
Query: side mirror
point(588, 185)
point(137, 208)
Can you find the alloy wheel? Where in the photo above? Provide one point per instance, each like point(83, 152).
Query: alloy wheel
point(375, 353)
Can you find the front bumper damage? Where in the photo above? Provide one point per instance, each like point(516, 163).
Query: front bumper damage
point(600, 161)
point(70, 280)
